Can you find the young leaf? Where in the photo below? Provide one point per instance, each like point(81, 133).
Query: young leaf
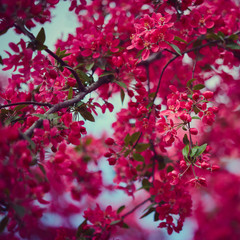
point(115, 222)
point(42, 168)
point(134, 137)
point(201, 149)
point(83, 76)
point(150, 210)
point(127, 139)
point(120, 209)
point(121, 84)
point(41, 37)
point(19, 107)
point(196, 117)
point(233, 46)
point(41, 116)
point(189, 83)
point(70, 93)
point(3, 223)
point(106, 74)
point(185, 151)
point(140, 147)
point(87, 115)
point(146, 184)
point(198, 87)
point(176, 38)
point(177, 50)
point(122, 95)
point(138, 157)
point(185, 139)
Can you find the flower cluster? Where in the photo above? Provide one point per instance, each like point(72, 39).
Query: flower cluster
point(152, 33)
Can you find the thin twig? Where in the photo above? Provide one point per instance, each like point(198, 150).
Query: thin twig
point(21, 27)
point(136, 207)
point(69, 102)
point(27, 102)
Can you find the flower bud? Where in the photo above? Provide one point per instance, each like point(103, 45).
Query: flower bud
point(109, 141)
point(208, 94)
point(193, 131)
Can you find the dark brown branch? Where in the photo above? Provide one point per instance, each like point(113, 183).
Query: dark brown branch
point(136, 207)
point(21, 27)
point(68, 103)
point(27, 102)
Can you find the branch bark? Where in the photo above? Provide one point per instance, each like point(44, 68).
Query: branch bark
point(21, 27)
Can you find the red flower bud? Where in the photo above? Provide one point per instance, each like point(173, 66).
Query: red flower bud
point(112, 161)
point(109, 141)
point(195, 96)
point(193, 131)
point(208, 94)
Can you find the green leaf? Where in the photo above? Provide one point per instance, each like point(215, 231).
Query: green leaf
point(127, 139)
point(89, 66)
point(146, 184)
point(196, 117)
point(138, 157)
point(120, 209)
point(58, 51)
point(193, 151)
point(189, 83)
point(212, 36)
point(87, 115)
point(201, 149)
point(53, 116)
point(20, 210)
point(170, 168)
point(156, 216)
point(79, 104)
point(152, 95)
point(134, 137)
point(124, 225)
point(140, 147)
point(121, 84)
point(196, 109)
point(198, 87)
point(115, 222)
point(19, 107)
point(185, 151)
point(3, 223)
point(70, 93)
point(41, 47)
point(233, 46)
point(41, 116)
point(177, 50)
point(80, 228)
point(126, 152)
point(221, 35)
point(42, 168)
point(122, 95)
point(149, 105)
point(106, 74)
point(83, 76)
point(185, 139)
point(30, 141)
point(41, 37)
point(176, 38)
point(233, 37)
point(1, 61)
point(150, 210)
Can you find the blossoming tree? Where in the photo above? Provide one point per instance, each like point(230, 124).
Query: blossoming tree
point(177, 63)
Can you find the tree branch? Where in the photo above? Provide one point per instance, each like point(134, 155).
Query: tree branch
point(68, 103)
point(136, 207)
point(27, 102)
point(21, 27)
